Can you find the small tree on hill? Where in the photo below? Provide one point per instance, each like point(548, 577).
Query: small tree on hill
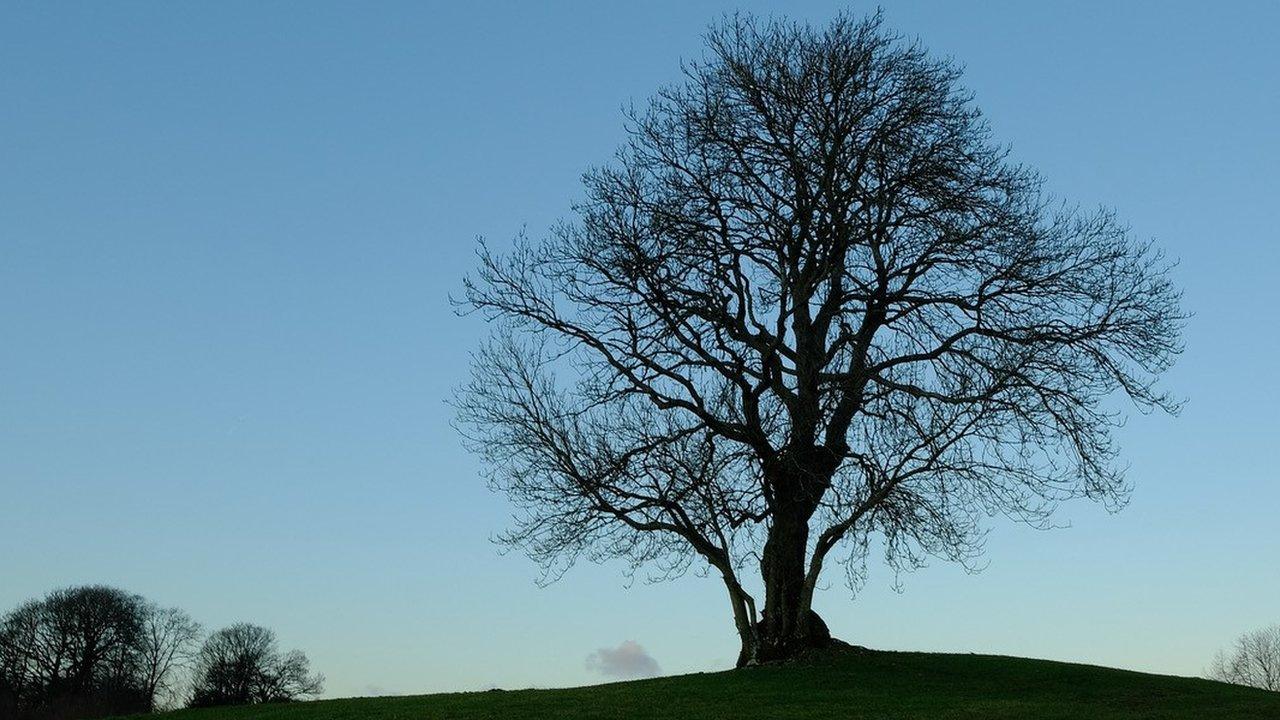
point(1254, 660)
point(241, 665)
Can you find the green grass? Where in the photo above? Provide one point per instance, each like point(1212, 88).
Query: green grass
point(872, 685)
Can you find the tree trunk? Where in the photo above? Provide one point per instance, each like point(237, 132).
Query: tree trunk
point(788, 625)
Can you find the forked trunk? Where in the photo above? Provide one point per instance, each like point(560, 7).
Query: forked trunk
point(788, 625)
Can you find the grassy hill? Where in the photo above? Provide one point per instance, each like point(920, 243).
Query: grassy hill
point(871, 685)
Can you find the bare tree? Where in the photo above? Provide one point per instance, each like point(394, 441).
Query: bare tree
point(810, 305)
point(22, 674)
point(73, 653)
point(242, 664)
point(1253, 661)
point(167, 644)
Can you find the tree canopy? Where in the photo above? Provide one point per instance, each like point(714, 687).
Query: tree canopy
point(810, 303)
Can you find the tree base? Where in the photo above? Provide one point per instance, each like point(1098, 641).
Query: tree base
point(770, 650)
point(834, 649)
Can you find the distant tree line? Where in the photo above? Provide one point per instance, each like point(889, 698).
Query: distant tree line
point(94, 651)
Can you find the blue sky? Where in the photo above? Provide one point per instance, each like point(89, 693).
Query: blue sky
point(228, 233)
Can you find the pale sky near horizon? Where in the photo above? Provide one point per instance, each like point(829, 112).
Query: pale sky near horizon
point(228, 234)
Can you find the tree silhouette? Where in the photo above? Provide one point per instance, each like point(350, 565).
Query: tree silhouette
point(811, 304)
point(1254, 660)
point(242, 664)
point(167, 644)
point(73, 653)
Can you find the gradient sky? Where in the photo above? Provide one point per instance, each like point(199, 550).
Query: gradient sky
point(228, 233)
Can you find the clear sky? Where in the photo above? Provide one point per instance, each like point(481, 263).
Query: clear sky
point(228, 233)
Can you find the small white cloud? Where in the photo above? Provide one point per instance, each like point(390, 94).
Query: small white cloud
point(627, 661)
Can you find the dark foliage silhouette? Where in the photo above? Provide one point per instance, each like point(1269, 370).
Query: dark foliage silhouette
point(75, 653)
point(94, 651)
point(241, 665)
point(811, 305)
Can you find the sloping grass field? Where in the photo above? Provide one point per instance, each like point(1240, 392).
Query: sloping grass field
point(868, 685)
